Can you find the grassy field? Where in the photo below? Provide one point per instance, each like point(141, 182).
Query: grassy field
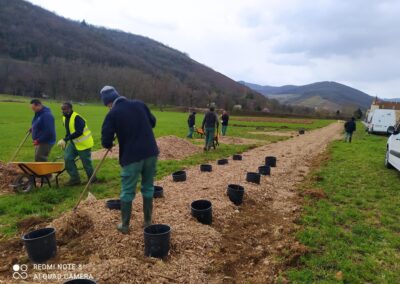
point(15, 119)
point(353, 234)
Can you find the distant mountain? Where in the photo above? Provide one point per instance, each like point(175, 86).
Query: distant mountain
point(322, 95)
point(42, 53)
point(393, 100)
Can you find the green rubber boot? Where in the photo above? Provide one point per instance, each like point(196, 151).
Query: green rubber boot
point(126, 210)
point(147, 211)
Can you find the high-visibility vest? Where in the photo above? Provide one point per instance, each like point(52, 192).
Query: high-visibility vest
point(83, 142)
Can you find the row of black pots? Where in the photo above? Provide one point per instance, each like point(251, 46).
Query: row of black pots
point(41, 244)
point(180, 176)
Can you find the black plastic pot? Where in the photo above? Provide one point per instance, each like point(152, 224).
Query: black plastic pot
point(235, 193)
point(156, 240)
point(253, 177)
point(158, 191)
point(222, 162)
point(270, 161)
point(237, 157)
point(40, 244)
point(264, 170)
point(302, 131)
point(205, 168)
point(113, 204)
point(202, 211)
point(80, 281)
point(179, 176)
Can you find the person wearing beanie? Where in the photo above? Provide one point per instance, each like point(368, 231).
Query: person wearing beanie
point(210, 122)
point(132, 123)
point(191, 123)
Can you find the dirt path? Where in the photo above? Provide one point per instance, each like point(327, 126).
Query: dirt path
point(243, 242)
point(277, 133)
point(261, 243)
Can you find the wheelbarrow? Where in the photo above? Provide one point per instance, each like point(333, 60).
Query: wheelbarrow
point(32, 171)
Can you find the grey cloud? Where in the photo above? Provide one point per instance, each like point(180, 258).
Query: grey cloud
point(325, 28)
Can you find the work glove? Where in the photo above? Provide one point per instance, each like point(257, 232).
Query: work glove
point(62, 144)
point(35, 142)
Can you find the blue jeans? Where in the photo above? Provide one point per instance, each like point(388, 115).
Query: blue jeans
point(223, 130)
point(190, 134)
point(348, 136)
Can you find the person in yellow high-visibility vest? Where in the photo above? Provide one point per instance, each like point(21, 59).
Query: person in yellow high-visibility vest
point(78, 141)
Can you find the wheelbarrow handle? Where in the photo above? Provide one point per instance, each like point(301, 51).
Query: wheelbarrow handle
point(28, 133)
point(91, 178)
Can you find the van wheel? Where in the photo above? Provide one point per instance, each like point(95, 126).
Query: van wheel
point(387, 164)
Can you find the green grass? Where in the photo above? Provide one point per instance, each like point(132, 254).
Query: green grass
point(283, 126)
point(15, 119)
point(356, 230)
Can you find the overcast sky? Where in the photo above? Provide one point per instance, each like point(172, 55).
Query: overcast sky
point(266, 42)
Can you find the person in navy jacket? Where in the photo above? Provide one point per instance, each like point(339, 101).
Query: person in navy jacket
point(132, 123)
point(43, 130)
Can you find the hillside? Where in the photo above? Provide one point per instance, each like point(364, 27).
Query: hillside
point(42, 53)
point(322, 95)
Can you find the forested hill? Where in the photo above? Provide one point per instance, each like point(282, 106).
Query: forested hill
point(322, 95)
point(42, 53)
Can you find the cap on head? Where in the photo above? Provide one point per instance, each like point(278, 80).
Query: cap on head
point(108, 94)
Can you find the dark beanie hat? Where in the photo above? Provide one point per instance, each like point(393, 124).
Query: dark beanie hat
point(108, 94)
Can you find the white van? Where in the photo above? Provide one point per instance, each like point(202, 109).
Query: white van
point(381, 120)
point(392, 158)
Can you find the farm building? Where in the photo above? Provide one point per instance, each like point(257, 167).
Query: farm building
point(381, 104)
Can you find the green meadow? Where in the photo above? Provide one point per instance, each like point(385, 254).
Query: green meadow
point(354, 234)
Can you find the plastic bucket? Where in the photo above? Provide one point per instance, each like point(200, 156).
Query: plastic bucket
point(264, 170)
point(270, 161)
point(80, 281)
point(179, 176)
point(235, 193)
point(158, 191)
point(113, 204)
point(222, 162)
point(40, 244)
point(237, 157)
point(205, 168)
point(253, 177)
point(157, 240)
point(202, 211)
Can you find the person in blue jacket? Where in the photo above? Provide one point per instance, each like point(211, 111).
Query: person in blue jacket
point(191, 123)
point(43, 130)
point(349, 128)
point(132, 123)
